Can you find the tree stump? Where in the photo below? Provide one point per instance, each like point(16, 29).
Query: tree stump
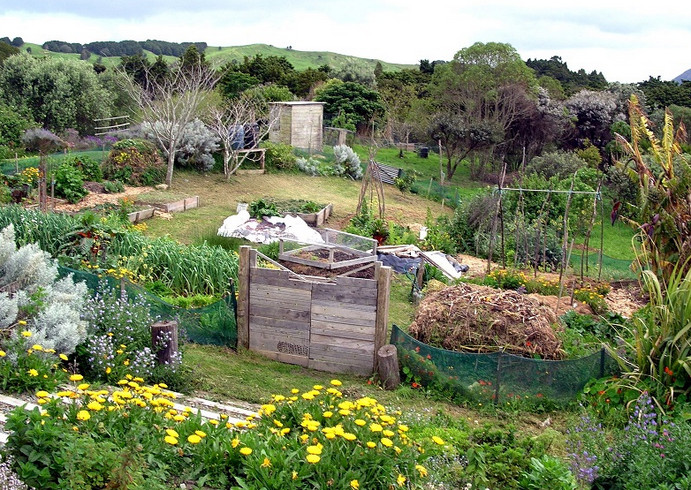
point(164, 340)
point(389, 372)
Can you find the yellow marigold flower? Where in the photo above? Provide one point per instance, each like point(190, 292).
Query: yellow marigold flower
point(360, 422)
point(215, 422)
point(278, 423)
point(386, 441)
point(375, 428)
point(308, 396)
point(95, 406)
point(235, 442)
point(328, 415)
point(318, 387)
point(83, 386)
point(246, 451)
point(83, 415)
point(194, 439)
point(438, 440)
point(179, 418)
point(403, 428)
point(349, 436)
point(313, 458)
point(354, 484)
point(172, 433)
point(266, 463)
point(32, 372)
point(295, 475)
point(336, 382)
point(314, 449)
point(171, 440)
point(388, 433)
point(295, 391)
point(200, 433)
point(2, 353)
point(268, 409)
point(23, 322)
point(421, 469)
point(63, 357)
point(42, 394)
point(371, 444)
point(25, 333)
point(37, 347)
point(76, 377)
point(163, 385)
point(401, 480)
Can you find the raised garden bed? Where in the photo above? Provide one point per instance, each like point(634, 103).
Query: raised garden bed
point(312, 213)
point(169, 202)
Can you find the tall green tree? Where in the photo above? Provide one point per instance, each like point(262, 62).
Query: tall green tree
point(351, 101)
point(479, 94)
point(58, 93)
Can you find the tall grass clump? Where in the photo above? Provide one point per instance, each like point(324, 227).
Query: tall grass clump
point(196, 269)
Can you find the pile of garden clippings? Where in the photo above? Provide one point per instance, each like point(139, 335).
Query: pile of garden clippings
point(472, 318)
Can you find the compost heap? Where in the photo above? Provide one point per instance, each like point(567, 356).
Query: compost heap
point(468, 317)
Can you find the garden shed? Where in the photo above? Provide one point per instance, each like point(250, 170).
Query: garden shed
point(299, 124)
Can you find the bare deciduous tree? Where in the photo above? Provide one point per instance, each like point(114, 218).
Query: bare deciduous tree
point(170, 103)
point(231, 121)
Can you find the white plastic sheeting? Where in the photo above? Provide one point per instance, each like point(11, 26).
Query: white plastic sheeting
point(270, 229)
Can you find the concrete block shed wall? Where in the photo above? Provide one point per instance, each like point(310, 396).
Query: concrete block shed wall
point(299, 124)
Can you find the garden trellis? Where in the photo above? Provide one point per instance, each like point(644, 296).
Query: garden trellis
point(531, 240)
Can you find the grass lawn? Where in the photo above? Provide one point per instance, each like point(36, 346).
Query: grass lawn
point(219, 198)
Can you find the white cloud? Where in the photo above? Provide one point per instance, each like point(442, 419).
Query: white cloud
point(627, 40)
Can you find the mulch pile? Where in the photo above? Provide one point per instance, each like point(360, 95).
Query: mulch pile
point(468, 317)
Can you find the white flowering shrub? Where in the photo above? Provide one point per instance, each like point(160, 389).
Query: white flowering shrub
point(346, 162)
point(33, 296)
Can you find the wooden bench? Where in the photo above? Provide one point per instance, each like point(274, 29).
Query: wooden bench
point(261, 160)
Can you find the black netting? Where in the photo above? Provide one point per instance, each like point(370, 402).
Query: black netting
point(214, 324)
point(498, 376)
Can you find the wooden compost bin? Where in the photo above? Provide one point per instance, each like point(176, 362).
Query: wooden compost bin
point(335, 325)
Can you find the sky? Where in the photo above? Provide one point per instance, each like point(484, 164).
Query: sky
point(628, 41)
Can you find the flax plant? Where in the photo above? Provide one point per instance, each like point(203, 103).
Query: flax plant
point(659, 341)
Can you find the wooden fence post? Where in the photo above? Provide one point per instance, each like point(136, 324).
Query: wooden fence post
point(248, 260)
point(389, 372)
point(167, 330)
point(383, 278)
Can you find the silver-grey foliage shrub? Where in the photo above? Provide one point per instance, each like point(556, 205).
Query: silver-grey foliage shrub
point(30, 281)
point(346, 162)
point(196, 146)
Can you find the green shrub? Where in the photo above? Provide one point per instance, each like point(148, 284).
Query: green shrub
point(279, 156)
point(113, 186)
point(260, 208)
point(548, 472)
point(69, 183)
point(134, 162)
point(89, 168)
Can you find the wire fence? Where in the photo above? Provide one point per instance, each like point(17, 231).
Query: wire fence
point(499, 377)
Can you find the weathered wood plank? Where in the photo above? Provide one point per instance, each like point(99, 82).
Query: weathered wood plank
point(383, 285)
point(261, 320)
point(335, 367)
point(331, 329)
point(287, 358)
point(279, 312)
point(341, 342)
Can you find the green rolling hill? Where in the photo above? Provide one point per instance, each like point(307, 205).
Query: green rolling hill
point(223, 54)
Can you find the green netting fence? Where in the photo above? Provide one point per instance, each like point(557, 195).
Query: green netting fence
point(611, 268)
point(214, 324)
point(498, 376)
